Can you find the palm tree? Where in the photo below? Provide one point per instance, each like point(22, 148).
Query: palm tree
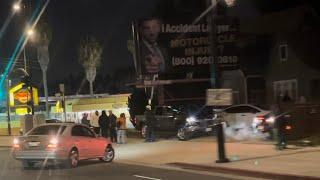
point(44, 36)
point(90, 52)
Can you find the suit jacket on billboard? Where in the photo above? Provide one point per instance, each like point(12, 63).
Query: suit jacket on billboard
point(147, 49)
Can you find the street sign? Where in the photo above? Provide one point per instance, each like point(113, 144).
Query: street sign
point(219, 97)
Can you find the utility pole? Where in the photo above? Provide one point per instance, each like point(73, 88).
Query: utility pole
point(62, 90)
point(8, 106)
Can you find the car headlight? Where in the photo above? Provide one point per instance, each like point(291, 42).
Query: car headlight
point(191, 119)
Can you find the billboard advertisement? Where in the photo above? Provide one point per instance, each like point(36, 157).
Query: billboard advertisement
point(177, 50)
point(173, 48)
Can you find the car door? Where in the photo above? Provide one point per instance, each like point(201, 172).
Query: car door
point(246, 115)
point(168, 122)
point(79, 140)
point(91, 141)
point(158, 116)
point(229, 115)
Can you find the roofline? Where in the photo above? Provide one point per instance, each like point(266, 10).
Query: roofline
point(84, 96)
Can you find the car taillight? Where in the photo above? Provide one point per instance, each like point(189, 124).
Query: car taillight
point(261, 118)
point(16, 143)
point(53, 143)
point(288, 127)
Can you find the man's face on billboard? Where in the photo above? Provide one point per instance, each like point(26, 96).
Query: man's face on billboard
point(151, 30)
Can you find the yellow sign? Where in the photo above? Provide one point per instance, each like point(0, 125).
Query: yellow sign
point(22, 111)
point(20, 95)
point(59, 108)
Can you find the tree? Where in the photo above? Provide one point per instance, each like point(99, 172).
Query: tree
point(90, 52)
point(44, 36)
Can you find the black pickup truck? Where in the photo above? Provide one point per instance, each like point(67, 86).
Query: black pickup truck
point(168, 119)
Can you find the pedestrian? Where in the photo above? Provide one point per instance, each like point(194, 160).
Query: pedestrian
point(85, 120)
point(94, 121)
point(104, 124)
point(122, 127)
point(113, 126)
point(150, 123)
point(282, 124)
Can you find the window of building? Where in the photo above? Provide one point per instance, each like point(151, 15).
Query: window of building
point(286, 90)
point(283, 52)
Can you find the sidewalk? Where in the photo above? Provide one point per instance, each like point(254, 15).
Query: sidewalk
point(245, 157)
point(6, 141)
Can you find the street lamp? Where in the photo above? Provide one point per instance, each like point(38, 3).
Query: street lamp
point(30, 32)
point(16, 7)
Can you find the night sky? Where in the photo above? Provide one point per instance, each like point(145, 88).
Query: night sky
point(109, 21)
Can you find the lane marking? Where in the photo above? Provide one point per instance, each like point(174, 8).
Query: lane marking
point(145, 177)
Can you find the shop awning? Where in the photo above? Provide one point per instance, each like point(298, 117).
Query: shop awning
point(106, 103)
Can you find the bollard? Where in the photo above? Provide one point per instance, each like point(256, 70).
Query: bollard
point(221, 149)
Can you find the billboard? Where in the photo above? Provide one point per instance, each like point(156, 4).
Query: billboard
point(173, 48)
point(177, 50)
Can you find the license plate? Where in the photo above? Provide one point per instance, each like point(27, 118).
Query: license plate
point(33, 144)
point(208, 129)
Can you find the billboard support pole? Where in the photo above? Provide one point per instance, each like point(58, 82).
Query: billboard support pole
point(136, 42)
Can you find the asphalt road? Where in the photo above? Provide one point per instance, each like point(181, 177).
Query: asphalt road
point(11, 169)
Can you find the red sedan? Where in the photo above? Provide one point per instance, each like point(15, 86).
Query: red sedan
point(61, 143)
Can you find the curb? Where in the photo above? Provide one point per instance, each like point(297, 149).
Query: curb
point(242, 172)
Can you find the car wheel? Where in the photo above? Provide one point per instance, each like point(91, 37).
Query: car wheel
point(143, 131)
point(73, 159)
point(183, 135)
point(108, 154)
point(27, 164)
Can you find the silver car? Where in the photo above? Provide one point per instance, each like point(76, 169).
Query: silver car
point(61, 143)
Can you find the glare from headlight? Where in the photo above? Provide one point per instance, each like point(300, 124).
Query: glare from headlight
point(191, 119)
point(15, 141)
point(54, 141)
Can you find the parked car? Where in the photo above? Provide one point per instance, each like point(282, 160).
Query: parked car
point(168, 119)
point(65, 143)
point(198, 124)
point(247, 116)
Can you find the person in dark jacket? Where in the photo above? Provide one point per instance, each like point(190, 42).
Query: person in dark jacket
point(85, 120)
point(112, 127)
point(283, 126)
point(150, 123)
point(104, 124)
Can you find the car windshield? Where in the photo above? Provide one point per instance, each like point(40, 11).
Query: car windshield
point(48, 130)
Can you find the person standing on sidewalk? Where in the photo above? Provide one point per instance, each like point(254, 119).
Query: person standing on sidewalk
point(85, 120)
point(122, 127)
point(104, 124)
point(94, 120)
point(282, 126)
point(150, 123)
point(112, 127)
